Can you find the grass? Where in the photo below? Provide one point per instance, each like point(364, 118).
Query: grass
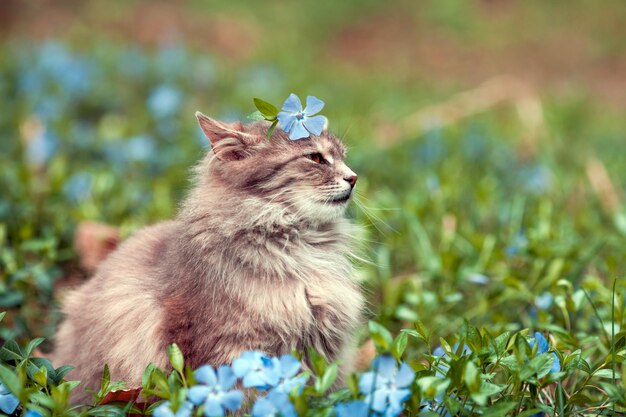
point(492, 225)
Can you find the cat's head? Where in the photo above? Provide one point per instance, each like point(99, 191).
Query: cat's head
point(306, 179)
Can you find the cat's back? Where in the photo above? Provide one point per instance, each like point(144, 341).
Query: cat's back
point(117, 308)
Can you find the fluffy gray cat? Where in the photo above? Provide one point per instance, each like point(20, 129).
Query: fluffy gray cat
point(257, 259)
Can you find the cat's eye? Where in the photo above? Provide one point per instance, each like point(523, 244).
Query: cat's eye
point(316, 157)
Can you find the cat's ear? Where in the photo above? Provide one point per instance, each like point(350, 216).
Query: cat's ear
point(229, 140)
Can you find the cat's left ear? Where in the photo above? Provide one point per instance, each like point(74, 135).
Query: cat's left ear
point(229, 140)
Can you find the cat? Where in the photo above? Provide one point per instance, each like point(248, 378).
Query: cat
point(258, 258)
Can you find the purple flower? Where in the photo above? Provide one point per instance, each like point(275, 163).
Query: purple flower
point(275, 404)
point(301, 123)
point(386, 388)
point(214, 390)
point(257, 370)
point(8, 401)
point(165, 410)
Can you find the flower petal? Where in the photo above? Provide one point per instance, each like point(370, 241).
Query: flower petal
point(8, 403)
point(226, 377)
point(352, 409)
point(289, 366)
point(243, 364)
point(385, 366)
point(213, 408)
point(255, 380)
point(263, 408)
point(395, 412)
point(313, 106)
point(298, 131)
point(163, 410)
point(379, 401)
point(197, 394)
point(286, 121)
point(184, 410)
point(542, 343)
point(206, 375)
point(232, 400)
point(405, 376)
point(315, 124)
point(556, 364)
point(397, 397)
point(366, 383)
point(292, 104)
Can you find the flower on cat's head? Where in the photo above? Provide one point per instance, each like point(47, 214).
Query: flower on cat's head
point(214, 391)
point(300, 123)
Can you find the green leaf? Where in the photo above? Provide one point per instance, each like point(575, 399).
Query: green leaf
point(318, 362)
point(324, 383)
point(539, 365)
point(32, 345)
point(432, 386)
point(605, 373)
point(147, 375)
point(499, 409)
point(10, 380)
point(471, 377)
point(399, 345)
point(380, 335)
point(60, 373)
point(2, 314)
point(272, 128)
point(176, 357)
point(266, 109)
point(41, 376)
point(105, 381)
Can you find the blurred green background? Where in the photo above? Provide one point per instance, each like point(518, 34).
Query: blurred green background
point(488, 137)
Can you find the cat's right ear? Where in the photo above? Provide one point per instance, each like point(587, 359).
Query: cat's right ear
point(228, 140)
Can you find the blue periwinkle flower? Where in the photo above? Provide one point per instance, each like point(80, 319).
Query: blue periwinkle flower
point(214, 391)
point(32, 413)
point(164, 101)
point(543, 347)
point(386, 388)
point(140, 148)
point(301, 123)
point(275, 404)
point(288, 367)
point(165, 410)
point(356, 408)
point(544, 300)
point(78, 187)
point(41, 147)
point(257, 370)
point(8, 401)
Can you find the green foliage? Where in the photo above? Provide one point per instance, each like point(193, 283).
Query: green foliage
point(479, 232)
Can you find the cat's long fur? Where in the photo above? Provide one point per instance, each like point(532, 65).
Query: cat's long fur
point(257, 258)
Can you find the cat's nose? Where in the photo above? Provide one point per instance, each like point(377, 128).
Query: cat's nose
point(351, 180)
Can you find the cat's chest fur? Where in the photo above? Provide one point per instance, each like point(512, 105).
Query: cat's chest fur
point(269, 292)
